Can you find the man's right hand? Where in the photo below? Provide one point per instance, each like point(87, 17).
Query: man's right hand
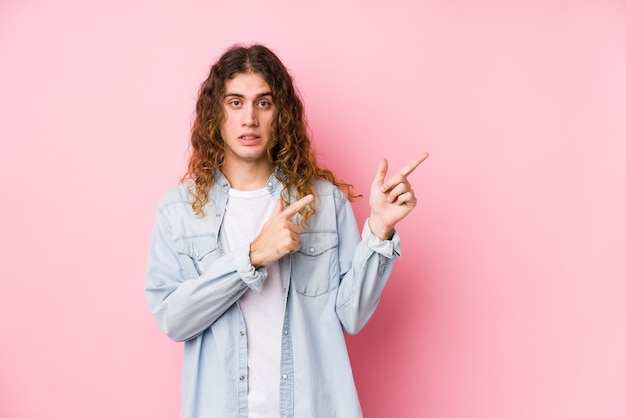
point(279, 236)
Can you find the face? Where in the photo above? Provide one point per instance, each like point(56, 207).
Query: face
point(249, 112)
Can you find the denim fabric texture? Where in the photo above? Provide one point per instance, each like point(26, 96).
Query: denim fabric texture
point(332, 284)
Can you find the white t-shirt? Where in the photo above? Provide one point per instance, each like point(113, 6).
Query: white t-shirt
point(263, 312)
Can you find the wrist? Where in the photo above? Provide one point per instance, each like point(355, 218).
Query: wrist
point(254, 259)
point(379, 229)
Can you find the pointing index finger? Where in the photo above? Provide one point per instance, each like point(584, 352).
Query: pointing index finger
point(295, 207)
point(408, 169)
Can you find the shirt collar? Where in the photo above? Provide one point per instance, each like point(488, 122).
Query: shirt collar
point(271, 184)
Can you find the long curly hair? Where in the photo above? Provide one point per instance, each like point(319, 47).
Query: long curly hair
point(289, 147)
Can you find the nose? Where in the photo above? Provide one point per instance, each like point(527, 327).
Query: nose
point(249, 116)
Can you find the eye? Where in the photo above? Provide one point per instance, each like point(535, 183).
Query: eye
point(264, 104)
point(235, 103)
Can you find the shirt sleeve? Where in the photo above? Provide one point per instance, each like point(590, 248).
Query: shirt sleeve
point(184, 306)
point(389, 248)
point(365, 269)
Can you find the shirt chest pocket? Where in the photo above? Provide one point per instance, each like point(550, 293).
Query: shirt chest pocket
point(196, 254)
point(315, 267)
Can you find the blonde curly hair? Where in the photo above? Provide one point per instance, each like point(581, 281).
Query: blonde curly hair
point(290, 146)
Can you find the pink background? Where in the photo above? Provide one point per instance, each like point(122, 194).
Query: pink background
point(510, 300)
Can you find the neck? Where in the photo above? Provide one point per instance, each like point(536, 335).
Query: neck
point(247, 176)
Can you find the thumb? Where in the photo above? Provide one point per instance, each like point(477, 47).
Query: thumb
point(382, 172)
point(279, 207)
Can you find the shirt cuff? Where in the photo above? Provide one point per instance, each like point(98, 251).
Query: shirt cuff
point(389, 248)
point(252, 277)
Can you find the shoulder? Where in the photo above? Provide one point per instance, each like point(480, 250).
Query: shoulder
point(325, 187)
point(178, 195)
point(327, 190)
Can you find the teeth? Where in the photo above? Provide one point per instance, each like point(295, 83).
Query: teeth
point(248, 137)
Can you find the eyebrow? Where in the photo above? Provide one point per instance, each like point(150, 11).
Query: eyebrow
point(267, 93)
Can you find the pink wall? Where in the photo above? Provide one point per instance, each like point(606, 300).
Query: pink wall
point(510, 300)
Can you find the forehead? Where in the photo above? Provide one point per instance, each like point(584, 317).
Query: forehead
point(247, 84)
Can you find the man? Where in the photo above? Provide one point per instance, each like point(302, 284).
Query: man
point(256, 261)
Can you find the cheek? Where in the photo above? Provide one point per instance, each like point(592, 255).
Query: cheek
point(269, 120)
point(226, 127)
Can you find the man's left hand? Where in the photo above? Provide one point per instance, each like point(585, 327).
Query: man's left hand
point(393, 199)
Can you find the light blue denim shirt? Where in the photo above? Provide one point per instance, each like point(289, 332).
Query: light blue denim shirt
point(333, 285)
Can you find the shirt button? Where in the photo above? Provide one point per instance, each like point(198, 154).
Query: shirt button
point(217, 215)
point(285, 332)
point(242, 377)
point(285, 376)
point(312, 249)
point(269, 184)
point(242, 333)
point(196, 255)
